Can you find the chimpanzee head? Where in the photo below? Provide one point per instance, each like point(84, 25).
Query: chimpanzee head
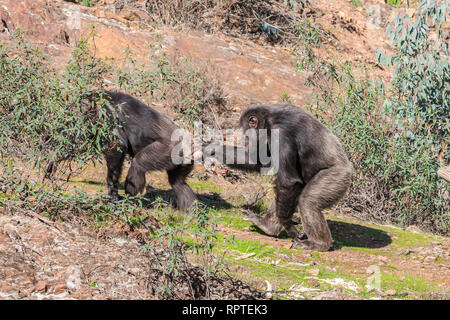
point(254, 118)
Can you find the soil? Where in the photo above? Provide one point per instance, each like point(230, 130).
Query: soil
point(41, 259)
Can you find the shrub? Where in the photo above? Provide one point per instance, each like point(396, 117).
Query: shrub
point(42, 117)
point(420, 91)
point(193, 93)
point(396, 144)
point(169, 249)
point(47, 126)
point(276, 21)
point(394, 181)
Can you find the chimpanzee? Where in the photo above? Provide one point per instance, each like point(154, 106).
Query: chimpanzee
point(144, 134)
point(313, 172)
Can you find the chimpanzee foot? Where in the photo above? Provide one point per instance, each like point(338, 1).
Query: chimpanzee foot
point(300, 235)
point(293, 232)
point(268, 224)
point(297, 243)
point(113, 197)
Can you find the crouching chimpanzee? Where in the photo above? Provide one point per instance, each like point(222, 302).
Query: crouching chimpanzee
point(313, 172)
point(145, 135)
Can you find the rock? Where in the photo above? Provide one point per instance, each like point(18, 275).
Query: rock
point(382, 260)
point(314, 283)
point(373, 269)
point(390, 292)
point(314, 272)
point(413, 229)
point(407, 252)
point(41, 286)
point(73, 277)
point(429, 259)
point(60, 288)
point(5, 287)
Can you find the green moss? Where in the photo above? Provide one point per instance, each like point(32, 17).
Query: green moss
point(406, 284)
point(396, 3)
point(202, 186)
point(234, 218)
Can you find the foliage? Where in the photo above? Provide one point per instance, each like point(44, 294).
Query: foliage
point(172, 243)
point(19, 193)
point(191, 92)
point(43, 120)
point(394, 2)
point(397, 144)
point(87, 3)
point(394, 181)
point(42, 117)
point(421, 81)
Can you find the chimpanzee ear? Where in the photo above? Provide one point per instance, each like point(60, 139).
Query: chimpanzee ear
point(253, 122)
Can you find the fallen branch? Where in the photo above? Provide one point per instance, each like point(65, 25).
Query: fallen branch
point(444, 173)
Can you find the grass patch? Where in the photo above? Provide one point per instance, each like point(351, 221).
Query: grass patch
point(202, 186)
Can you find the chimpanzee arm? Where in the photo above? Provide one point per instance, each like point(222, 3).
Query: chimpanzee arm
point(288, 184)
point(232, 156)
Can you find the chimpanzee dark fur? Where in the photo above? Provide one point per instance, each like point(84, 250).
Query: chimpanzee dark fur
point(145, 135)
point(314, 173)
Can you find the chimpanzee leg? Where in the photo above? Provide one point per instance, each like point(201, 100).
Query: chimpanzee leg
point(268, 223)
point(286, 204)
point(280, 212)
point(114, 162)
point(155, 156)
point(324, 190)
point(184, 194)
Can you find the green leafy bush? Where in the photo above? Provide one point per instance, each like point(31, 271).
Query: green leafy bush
point(420, 92)
point(394, 181)
point(42, 117)
point(168, 251)
point(45, 119)
point(397, 136)
point(419, 102)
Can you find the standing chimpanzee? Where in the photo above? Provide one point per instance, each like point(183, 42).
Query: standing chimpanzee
point(145, 135)
point(313, 172)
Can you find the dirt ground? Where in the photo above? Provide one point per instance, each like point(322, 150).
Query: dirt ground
point(41, 259)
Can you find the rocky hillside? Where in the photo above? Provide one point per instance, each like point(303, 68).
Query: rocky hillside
point(251, 72)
